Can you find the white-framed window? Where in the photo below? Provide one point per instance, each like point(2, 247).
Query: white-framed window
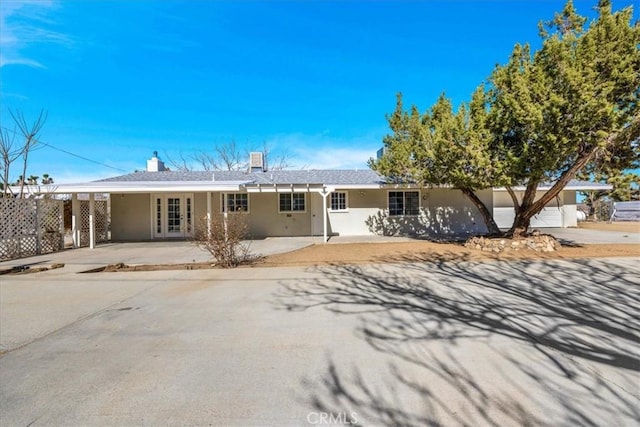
point(292, 202)
point(235, 202)
point(404, 203)
point(339, 201)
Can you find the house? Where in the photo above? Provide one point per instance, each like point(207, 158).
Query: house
point(161, 204)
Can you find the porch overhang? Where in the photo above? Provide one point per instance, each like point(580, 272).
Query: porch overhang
point(305, 188)
point(120, 187)
point(285, 188)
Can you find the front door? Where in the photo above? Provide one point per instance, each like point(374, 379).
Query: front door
point(317, 218)
point(173, 216)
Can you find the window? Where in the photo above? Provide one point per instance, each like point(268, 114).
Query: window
point(338, 201)
point(292, 202)
point(404, 203)
point(235, 202)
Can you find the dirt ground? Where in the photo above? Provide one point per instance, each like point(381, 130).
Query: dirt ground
point(362, 253)
point(350, 253)
point(628, 227)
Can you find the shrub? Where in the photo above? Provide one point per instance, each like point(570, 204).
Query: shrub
point(223, 237)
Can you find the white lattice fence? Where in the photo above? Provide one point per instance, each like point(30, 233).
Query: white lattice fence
point(30, 227)
point(101, 219)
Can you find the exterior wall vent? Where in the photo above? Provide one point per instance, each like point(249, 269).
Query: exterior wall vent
point(256, 162)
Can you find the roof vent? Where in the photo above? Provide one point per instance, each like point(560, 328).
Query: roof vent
point(154, 164)
point(256, 162)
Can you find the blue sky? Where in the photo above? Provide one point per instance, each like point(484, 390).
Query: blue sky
point(121, 79)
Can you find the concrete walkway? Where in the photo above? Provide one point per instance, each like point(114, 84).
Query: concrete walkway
point(173, 252)
point(161, 252)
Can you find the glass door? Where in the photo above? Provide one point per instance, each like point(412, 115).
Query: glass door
point(172, 216)
point(175, 217)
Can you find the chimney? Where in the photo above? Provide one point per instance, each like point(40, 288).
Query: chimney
point(256, 162)
point(155, 164)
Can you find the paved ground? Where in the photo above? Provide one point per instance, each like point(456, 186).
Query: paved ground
point(586, 236)
point(163, 252)
point(520, 343)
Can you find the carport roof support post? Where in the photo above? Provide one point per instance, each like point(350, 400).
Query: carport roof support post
point(92, 220)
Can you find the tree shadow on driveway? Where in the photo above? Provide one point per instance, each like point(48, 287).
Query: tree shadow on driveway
point(495, 343)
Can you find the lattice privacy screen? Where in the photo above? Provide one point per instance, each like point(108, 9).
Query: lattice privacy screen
point(101, 220)
point(30, 227)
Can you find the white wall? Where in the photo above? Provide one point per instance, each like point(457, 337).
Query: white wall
point(443, 211)
point(362, 205)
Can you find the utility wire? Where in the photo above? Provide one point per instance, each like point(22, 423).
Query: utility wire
point(67, 152)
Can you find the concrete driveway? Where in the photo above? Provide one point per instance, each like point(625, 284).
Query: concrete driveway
point(519, 343)
point(583, 236)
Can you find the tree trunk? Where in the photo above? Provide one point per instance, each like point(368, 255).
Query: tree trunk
point(529, 208)
point(492, 227)
point(514, 198)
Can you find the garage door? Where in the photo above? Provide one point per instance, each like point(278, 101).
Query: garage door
point(548, 217)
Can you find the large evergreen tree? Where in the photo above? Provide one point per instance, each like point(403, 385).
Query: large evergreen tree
point(443, 148)
point(570, 107)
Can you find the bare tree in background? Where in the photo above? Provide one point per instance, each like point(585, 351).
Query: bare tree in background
point(275, 162)
point(179, 164)
point(228, 157)
point(30, 133)
point(10, 151)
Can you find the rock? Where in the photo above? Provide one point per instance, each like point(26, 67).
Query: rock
point(536, 241)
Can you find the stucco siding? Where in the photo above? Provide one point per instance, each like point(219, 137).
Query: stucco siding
point(362, 206)
point(449, 211)
point(130, 217)
point(442, 211)
point(199, 211)
point(265, 220)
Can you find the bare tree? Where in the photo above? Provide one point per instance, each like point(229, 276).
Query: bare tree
point(9, 152)
point(228, 156)
point(206, 161)
point(179, 164)
point(274, 161)
point(30, 133)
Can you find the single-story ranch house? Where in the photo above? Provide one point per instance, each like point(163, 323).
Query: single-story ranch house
point(161, 204)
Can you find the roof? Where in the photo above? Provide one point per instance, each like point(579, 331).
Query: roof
point(328, 177)
point(573, 185)
point(281, 180)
